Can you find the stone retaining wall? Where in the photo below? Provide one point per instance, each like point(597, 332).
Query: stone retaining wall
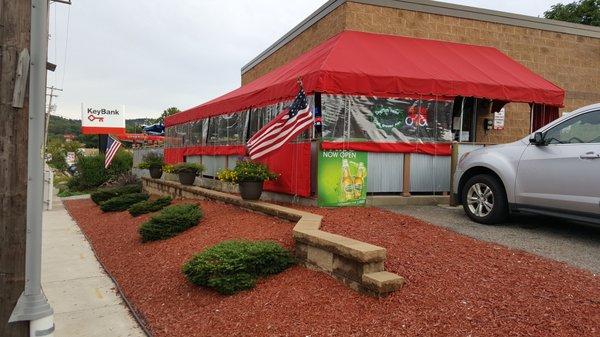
point(357, 264)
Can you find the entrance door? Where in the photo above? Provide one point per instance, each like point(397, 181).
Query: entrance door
point(563, 175)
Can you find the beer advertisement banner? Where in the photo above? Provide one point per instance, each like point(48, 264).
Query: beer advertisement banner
point(342, 178)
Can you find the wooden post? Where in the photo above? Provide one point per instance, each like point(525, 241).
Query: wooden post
point(453, 162)
point(15, 23)
point(406, 176)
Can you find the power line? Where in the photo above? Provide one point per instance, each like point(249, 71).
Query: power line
point(66, 47)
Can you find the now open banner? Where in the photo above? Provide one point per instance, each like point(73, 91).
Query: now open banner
point(102, 120)
point(342, 178)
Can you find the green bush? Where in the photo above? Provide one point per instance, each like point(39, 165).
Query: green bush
point(232, 266)
point(104, 194)
point(122, 202)
point(152, 160)
point(149, 206)
point(170, 222)
point(91, 172)
point(188, 167)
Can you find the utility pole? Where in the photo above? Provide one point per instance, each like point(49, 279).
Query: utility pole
point(49, 111)
point(32, 305)
point(15, 23)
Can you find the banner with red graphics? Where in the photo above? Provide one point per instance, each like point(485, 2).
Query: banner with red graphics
point(101, 120)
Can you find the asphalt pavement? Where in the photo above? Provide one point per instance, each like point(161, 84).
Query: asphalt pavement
point(574, 243)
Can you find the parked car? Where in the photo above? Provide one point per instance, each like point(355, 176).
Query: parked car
point(555, 171)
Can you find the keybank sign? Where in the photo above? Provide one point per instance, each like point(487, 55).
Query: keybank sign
point(93, 111)
point(102, 120)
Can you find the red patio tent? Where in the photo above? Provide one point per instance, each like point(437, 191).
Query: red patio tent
point(357, 63)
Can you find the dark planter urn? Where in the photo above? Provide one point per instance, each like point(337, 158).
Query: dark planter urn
point(155, 172)
point(251, 190)
point(187, 178)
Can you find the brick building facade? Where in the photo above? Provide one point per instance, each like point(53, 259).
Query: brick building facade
point(564, 53)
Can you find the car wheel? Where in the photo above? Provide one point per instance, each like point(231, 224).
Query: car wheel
point(484, 199)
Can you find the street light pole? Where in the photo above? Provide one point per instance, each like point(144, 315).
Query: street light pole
point(33, 305)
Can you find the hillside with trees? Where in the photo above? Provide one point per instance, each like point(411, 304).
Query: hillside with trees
point(60, 126)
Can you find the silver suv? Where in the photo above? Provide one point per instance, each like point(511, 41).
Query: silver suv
point(555, 171)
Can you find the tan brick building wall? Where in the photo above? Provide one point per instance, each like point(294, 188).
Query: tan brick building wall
point(570, 61)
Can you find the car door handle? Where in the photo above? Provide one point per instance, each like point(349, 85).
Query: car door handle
point(590, 155)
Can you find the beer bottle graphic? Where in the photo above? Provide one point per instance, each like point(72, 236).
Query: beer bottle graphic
point(347, 181)
point(359, 181)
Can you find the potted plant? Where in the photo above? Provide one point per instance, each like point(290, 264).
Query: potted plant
point(188, 172)
point(250, 176)
point(153, 162)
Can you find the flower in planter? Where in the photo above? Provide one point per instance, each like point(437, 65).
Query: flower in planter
point(168, 168)
point(188, 168)
point(152, 160)
point(227, 175)
point(250, 176)
point(247, 170)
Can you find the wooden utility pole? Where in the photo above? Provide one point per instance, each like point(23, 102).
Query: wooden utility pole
point(15, 24)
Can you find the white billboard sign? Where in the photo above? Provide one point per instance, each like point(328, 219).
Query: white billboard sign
point(100, 120)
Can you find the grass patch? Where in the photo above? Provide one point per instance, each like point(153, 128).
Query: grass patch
point(150, 206)
point(232, 266)
point(170, 222)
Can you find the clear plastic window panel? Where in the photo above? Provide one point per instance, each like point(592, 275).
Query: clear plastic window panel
point(197, 133)
point(259, 117)
point(227, 129)
point(361, 118)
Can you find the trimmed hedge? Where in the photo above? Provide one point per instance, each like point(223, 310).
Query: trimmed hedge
point(170, 222)
point(149, 206)
point(122, 202)
point(104, 194)
point(232, 266)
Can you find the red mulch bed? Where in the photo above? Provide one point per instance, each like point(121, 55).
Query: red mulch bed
point(456, 286)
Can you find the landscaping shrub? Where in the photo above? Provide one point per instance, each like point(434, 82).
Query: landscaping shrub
point(123, 179)
point(91, 172)
point(170, 222)
point(122, 202)
point(232, 266)
point(104, 194)
point(149, 206)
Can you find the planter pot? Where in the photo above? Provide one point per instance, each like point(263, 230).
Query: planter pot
point(155, 172)
point(187, 178)
point(251, 190)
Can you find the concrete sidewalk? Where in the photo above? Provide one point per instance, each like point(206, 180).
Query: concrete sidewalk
point(82, 295)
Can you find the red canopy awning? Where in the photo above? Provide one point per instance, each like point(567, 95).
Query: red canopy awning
point(357, 63)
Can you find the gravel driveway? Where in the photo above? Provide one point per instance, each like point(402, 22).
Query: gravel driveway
point(574, 243)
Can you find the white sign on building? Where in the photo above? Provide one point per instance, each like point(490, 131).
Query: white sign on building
point(100, 120)
point(499, 119)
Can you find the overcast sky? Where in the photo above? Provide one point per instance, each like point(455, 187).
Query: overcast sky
point(148, 55)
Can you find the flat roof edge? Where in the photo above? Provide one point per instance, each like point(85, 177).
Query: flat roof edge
point(432, 7)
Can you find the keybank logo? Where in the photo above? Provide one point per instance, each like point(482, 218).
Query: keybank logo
point(102, 111)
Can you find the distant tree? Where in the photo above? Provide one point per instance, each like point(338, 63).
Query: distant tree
point(170, 111)
point(586, 12)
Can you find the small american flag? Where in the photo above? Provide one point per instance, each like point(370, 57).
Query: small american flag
point(112, 146)
point(286, 125)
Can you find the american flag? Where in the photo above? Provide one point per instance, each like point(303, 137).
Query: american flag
point(286, 125)
point(112, 146)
